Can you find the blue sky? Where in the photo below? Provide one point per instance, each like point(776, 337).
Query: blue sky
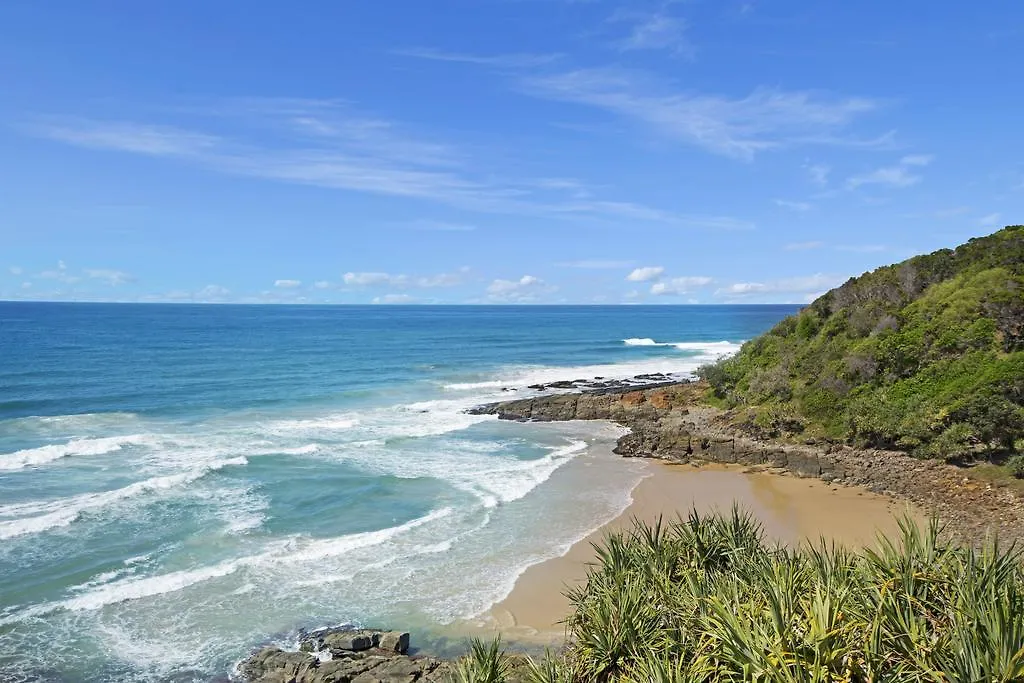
point(497, 151)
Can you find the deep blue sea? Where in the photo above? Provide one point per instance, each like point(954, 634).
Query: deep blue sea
point(181, 483)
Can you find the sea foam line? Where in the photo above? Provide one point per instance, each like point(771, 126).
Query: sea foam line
point(295, 550)
point(64, 511)
point(43, 454)
point(709, 348)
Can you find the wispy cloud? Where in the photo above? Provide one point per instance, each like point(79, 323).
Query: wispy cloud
point(323, 144)
point(524, 290)
point(792, 205)
point(394, 299)
point(287, 284)
point(819, 173)
point(917, 159)
point(440, 226)
point(991, 220)
point(766, 119)
point(506, 61)
point(793, 285)
point(16, 270)
point(596, 264)
point(111, 277)
point(951, 212)
point(900, 175)
point(804, 246)
point(152, 140)
point(60, 273)
point(653, 31)
point(645, 274)
point(680, 285)
point(377, 279)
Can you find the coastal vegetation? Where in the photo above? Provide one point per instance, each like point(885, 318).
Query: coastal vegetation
point(707, 599)
point(924, 356)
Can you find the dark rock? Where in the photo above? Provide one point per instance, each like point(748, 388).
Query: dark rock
point(395, 641)
point(341, 655)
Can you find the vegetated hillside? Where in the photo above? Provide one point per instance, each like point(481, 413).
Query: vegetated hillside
point(926, 356)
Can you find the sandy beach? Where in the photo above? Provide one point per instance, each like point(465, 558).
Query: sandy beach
point(791, 509)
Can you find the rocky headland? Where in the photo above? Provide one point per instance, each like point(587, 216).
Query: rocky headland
point(670, 421)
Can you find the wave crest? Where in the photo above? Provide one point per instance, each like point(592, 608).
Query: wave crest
point(31, 457)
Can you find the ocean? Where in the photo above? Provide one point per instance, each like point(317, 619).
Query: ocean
point(179, 484)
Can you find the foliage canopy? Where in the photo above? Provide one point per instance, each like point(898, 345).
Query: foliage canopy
point(925, 356)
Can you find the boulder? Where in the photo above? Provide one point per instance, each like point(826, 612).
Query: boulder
point(395, 641)
point(351, 641)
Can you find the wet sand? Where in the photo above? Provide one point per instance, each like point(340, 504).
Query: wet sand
point(791, 509)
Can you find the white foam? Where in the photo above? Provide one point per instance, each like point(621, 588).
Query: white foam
point(295, 550)
point(681, 366)
point(522, 377)
point(513, 480)
point(332, 423)
point(134, 589)
point(637, 341)
point(44, 454)
point(301, 550)
point(64, 511)
point(706, 348)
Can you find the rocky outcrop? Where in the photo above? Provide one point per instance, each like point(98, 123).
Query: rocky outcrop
point(342, 655)
point(670, 422)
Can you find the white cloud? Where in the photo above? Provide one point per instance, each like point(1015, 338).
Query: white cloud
point(322, 284)
point(900, 175)
point(804, 246)
point(680, 285)
point(287, 284)
point(893, 176)
point(655, 31)
point(393, 299)
point(525, 289)
point(819, 174)
point(16, 270)
point(61, 274)
point(211, 294)
point(595, 264)
point(794, 206)
point(917, 160)
point(439, 280)
point(26, 285)
point(129, 137)
point(322, 143)
point(507, 61)
point(766, 119)
point(792, 285)
point(951, 212)
point(991, 220)
point(111, 277)
point(645, 274)
point(388, 279)
point(369, 279)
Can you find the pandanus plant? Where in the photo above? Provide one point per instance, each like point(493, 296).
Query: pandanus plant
point(707, 599)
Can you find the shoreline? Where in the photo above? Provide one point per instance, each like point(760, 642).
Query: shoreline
point(672, 424)
point(791, 510)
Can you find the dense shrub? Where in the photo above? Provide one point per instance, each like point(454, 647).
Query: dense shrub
point(925, 356)
point(707, 599)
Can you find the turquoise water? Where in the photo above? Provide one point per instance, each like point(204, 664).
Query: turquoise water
point(179, 483)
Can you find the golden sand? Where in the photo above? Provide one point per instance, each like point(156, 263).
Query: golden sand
point(791, 509)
